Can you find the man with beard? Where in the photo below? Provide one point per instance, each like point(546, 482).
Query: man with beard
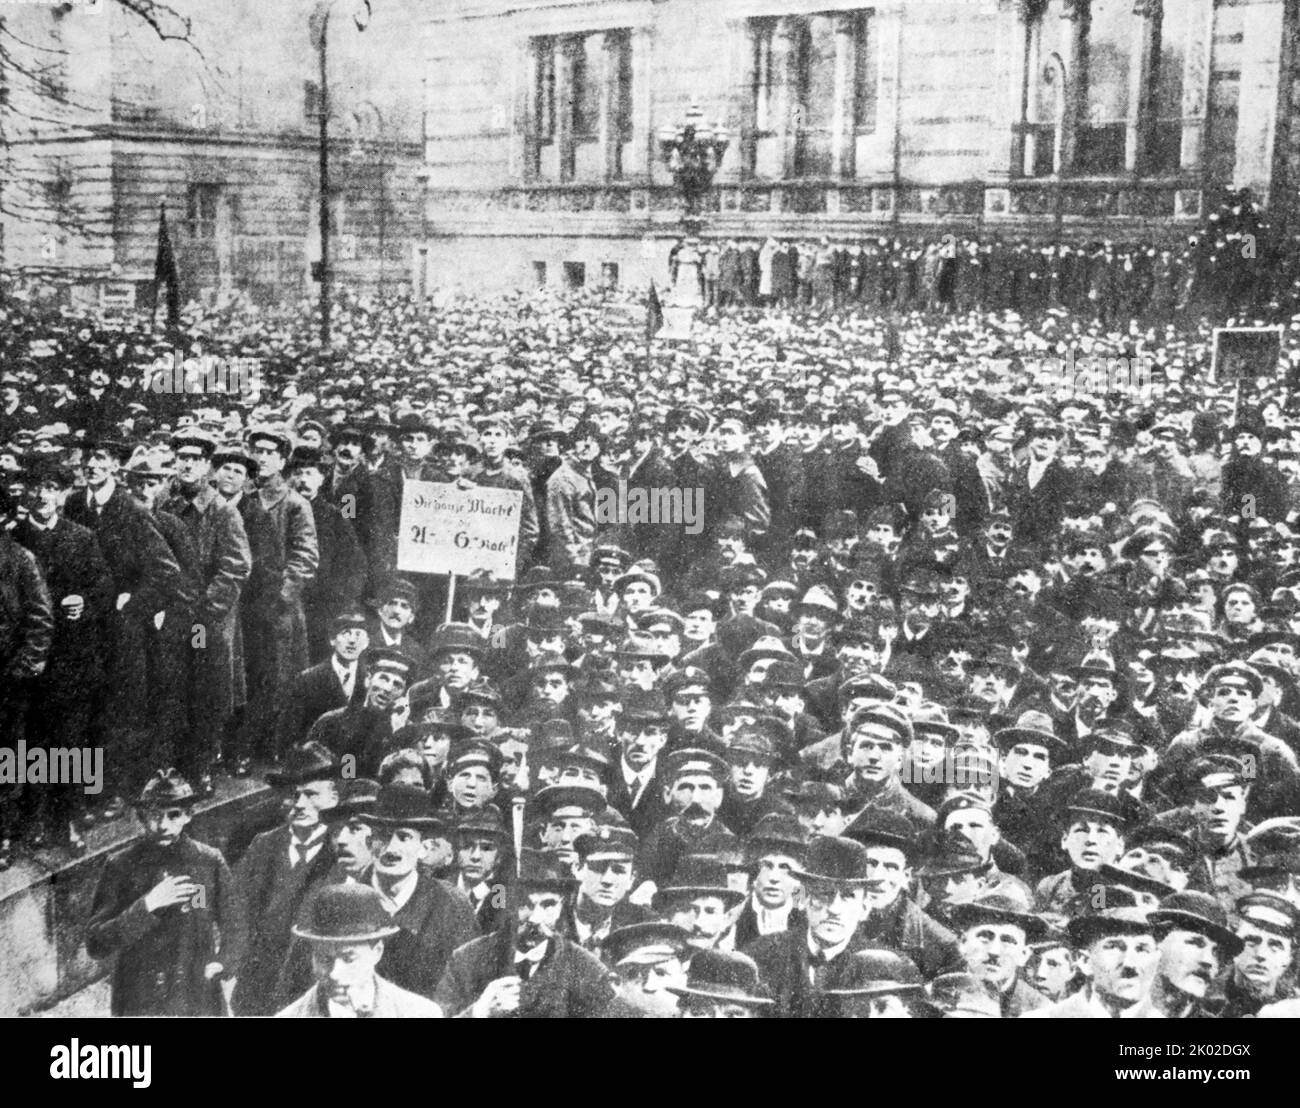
point(650, 959)
point(967, 818)
point(1247, 474)
point(528, 968)
point(279, 868)
point(752, 756)
point(1195, 942)
point(994, 674)
point(433, 919)
point(1084, 594)
point(482, 843)
point(1234, 689)
point(1180, 671)
point(1093, 836)
point(1099, 691)
point(636, 791)
point(1261, 974)
point(606, 873)
point(857, 651)
point(1119, 956)
point(693, 791)
point(893, 919)
point(327, 686)
point(347, 930)
point(775, 849)
point(363, 730)
point(167, 907)
point(994, 936)
point(799, 964)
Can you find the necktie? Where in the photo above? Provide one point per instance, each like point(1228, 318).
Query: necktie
point(299, 855)
point(525, 968)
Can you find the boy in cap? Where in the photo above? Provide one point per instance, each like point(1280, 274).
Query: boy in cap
point(168, 908)
point(484, 863)
point(606, 873)
point(775, 848)
point(873, 746)
point(1263, 970)
point(528, 968)
point(328, 685)
point(1093, 836)
point(722, 985)
point(650, 959)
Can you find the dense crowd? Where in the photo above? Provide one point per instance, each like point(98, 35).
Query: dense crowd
point(965, 694)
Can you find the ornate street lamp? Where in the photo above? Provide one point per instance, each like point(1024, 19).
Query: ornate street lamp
point(693, 154)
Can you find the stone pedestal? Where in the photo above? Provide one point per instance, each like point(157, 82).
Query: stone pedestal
point(685, 300)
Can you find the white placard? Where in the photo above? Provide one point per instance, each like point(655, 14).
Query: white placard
point(448, 529)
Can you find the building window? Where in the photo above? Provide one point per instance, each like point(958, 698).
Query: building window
point(866, 72)
point(584, 87)
point(311, 101)
point(762, 30)
point(201, 211)
point(1165, 139)
point(622, 66)
point(539, 274)
point(575, 275)
point(1108, 56)
point(609, 275)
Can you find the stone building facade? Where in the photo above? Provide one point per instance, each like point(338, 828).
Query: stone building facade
point(104, 122)
point(1082, 119)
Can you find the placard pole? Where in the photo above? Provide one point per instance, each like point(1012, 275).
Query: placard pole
point(451, 596)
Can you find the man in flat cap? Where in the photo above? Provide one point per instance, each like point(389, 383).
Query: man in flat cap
point(606, 873)
point(328, 685)
point(1093, 824)
point(1117, 953)
point(650, 959)
point(528, 968)
point(363, 730)
point(433, 919)
point(693, 785)
point(346, 929)
point(167, 907)
point(484, 864)
point(874, 744)
point(642, 732)
point(752, 755)
point(775, 849)
point(1263, 970)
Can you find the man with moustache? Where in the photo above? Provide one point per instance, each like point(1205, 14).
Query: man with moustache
point(693, 792)
point(642, 730)
point(369, 501)
point(528, 969)
point(994, 935)
point(894, 920)
point(775, 848)
point(1195, 943)
point(279, 868)
point(363, 730)
point(1119, 956)
point(432, 919)
point(701, 900)
point(328, 685)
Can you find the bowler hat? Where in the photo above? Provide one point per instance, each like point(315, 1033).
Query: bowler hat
point(720, 975)
point(698, 875)
point(544, 870)
point(344, 913)
point(877, 971)
point(405, 806)
point(778, 833)
point(356, 796)
point(877, 827)
point(835, 861)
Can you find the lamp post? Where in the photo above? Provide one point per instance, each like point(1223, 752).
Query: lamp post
point(318, 25)
point(693, 152)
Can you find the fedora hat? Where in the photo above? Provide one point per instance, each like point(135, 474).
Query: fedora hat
point(544, 870)
point(346, 913)
point(699, 875)
point(1192, 911)
point(306, 762)
point(1031, 726)
point(357, 796)
point(995, 907)
point(719, 975)
point(877, 972)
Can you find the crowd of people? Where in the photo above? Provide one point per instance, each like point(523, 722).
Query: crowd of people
point(966, 694)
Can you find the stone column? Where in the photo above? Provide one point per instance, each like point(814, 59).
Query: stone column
point(843, 125)
point(640, 152)
point(1016, 19)
point(607, 118)
point(1146, 14)
point(1196, 83)
point(522, 166)
point(783, 93)
point(563, 108)
point(1075, 12)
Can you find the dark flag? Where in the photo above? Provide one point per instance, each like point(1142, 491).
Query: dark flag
point(654, 314)
point(164, 270)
